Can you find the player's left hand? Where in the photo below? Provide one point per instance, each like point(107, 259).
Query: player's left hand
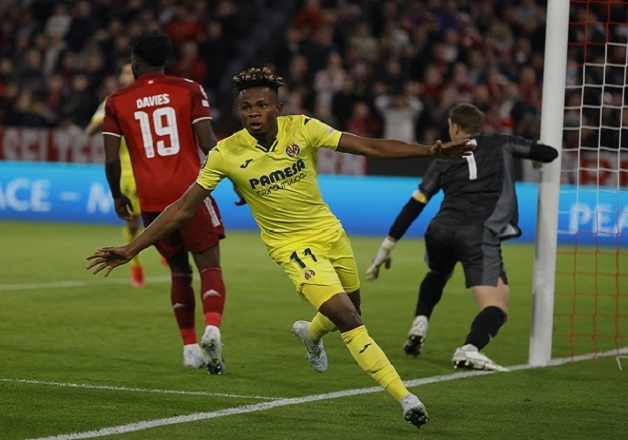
point(108, 258)
point(452, 149)
point(373, 270)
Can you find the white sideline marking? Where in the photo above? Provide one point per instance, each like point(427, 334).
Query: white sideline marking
point(56, 284)
point(139, 426)
point(136, 390)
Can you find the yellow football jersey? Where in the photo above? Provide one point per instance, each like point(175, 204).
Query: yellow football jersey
point(125, 158)
point(278, 182)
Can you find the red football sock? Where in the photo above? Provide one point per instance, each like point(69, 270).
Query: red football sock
point(183, 302)
point(212, 294)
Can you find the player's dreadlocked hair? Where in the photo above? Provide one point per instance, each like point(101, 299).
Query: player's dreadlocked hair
point(256, 77)
point(152, 47)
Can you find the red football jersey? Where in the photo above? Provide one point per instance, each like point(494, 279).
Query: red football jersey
point(155, 115)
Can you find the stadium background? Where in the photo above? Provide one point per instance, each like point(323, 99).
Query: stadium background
point(389, 68)
point(341, 61)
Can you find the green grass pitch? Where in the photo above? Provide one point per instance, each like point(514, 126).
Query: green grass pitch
point(81, 353)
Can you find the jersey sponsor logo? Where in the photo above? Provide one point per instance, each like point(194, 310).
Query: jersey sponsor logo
point(293, 150)
point(278, 175)
point(152, 101)
point(246, 163)
point(309, 274)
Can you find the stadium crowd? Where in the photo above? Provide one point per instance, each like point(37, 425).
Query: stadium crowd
point(368, 67)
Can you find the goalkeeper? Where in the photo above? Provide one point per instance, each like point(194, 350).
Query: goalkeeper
point(478, 211)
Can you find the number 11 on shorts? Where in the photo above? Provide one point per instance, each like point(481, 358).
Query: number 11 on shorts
point(306, 253)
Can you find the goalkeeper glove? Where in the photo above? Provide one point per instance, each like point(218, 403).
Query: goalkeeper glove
point(382, 257)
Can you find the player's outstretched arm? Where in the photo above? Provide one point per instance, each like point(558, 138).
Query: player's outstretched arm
point(392, 149)
point(108, 258)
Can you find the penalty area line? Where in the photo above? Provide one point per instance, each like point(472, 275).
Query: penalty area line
point(263, 406)
point(133, 390)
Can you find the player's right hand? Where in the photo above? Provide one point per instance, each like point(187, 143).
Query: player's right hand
point(108, 258)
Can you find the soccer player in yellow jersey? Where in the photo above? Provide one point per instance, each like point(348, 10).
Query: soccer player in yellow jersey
point(272, 162)
point(127, 181)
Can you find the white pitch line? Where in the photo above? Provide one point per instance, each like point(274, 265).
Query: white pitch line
point(139, 426)
point(135, 390)
point(57, 284)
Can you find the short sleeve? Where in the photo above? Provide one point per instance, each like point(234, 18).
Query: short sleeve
point(320, 134)
point(200, 104)
point(212, 171)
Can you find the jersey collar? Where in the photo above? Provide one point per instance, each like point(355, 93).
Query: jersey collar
point(151, 75)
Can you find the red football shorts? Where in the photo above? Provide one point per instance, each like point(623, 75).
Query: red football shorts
point(203, 231)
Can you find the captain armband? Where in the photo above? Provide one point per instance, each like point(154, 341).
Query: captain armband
point(419, 197)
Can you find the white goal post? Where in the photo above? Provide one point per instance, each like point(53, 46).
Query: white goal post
point(552, 115)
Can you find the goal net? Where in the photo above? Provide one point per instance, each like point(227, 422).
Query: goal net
point(591, 284)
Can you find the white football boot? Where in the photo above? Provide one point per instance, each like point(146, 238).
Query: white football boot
point(468, 356)
point(416, 336)
point(414, 411)
point(212, 347)
point(315, 350)
point(193, 356)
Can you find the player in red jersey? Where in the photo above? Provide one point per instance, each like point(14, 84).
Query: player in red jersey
point(161, 118)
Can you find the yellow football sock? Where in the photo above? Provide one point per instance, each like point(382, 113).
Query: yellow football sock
point(128, 236)
point(320, 326)
point(373, 360)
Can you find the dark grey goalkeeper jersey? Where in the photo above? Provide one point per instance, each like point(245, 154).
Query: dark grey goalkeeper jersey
point(480, 189)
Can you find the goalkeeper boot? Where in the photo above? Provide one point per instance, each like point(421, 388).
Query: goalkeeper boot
point(315, 350)
point(212, 347)
point(193, 356)
point(468, 356)
point(414, 411)
point(416, 336)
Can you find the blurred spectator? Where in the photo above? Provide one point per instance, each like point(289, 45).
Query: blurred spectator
point(188, 64)
point(59, 22)
point(80, 103)
point(400, 113)
point(183, 26)
point(329, 80)
point(26, 111)
point(343, 102)
point(362, 122)
point(83, 25)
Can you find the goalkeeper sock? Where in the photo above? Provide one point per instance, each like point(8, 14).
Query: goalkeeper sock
point(183, 302)
point(320, 326)
point(430, 293)
point(128, 236)
point(485, 326)
point(213, 294)
point(373, 360)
